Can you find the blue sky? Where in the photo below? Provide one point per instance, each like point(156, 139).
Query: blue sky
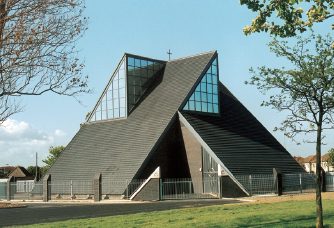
point(150, 28)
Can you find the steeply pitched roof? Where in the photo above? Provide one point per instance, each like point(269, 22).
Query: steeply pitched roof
point(239, 140)
point(299, 159)
point(21, 172)
point(118, 148)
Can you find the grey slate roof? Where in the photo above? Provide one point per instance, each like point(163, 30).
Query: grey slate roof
point(239, 140)
point(118, 148)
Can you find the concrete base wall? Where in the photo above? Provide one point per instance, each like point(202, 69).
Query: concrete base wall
point(194, 156)
point(151, 191)
point(229, 189)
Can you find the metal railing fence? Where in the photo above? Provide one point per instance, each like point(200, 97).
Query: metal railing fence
point(186, 188)
point(120, 189)
point(259, 184)
point(71, 190)
point(26, 190)
point(299, 183)
point(329, 182)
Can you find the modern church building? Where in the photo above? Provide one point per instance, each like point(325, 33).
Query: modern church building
point(175, 115)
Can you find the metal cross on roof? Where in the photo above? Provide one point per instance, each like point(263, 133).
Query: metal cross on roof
point(169, 53)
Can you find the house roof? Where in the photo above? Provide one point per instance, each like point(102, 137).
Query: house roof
point(21, 172)
point(239, 140)
point(311, 158)
point(118, 148)
point(325, 157)
point(299, 159)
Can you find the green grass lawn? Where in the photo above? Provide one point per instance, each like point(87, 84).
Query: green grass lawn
point(283, 214)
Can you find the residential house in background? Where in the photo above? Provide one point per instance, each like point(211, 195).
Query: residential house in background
point(310, 163)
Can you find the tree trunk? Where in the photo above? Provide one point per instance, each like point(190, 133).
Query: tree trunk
point(318, 172)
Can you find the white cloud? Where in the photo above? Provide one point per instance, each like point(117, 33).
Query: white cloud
point(19, 142)
point(60, 133)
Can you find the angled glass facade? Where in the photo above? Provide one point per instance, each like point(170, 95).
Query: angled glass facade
point(205, 97)
point(141, 73)
point(113, 101)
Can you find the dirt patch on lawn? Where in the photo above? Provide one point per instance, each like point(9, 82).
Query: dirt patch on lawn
point(289, 197)
point(9, 205)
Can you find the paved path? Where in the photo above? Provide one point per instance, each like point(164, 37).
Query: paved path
point(52, 212)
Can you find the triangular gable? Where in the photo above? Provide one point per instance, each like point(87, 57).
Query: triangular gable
point(131, 78)
point(205, 98)
point(111, 103)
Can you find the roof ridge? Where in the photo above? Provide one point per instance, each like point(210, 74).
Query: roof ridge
point(191, 56)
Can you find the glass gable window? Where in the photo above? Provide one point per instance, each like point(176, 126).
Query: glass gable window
point(205, 97)
point(113, 101)
point(141, 73)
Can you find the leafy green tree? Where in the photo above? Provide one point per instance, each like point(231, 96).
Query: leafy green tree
point(306, 92)
point(331, 157)
point(32, 170)
point(290, 13)
point(54, 153)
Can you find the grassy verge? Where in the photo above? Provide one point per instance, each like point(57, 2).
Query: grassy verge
point(283, 214)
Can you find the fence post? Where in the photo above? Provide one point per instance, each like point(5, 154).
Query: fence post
point(9, 187)
point(27, 189)
point(323, 177)
point(46, 190)
point(71, 189)
point(300, 182)
point(127, 189)
point(250, 184)
point(97, 187)
point(160, 189)
point(278, 178)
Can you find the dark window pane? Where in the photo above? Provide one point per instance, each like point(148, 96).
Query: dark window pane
point(104, 115)
point(122, 83)
point(144, 73)
point(115, 84)
point(214, 79)
point(143, 63)
point(116, 113)
point(122, 102)
point(149, 73)
point(122, 92)
point(110, 114)
point(204, 97)
point(215, 108)
point(137, 72)
point(214, 70)
point(122, 112)
point(215, 98)
point(131, 61)
point(110, 105)
point(144, 82)
point(209, 86)
point(198, 106)
point(115, 93)
point(197, 96)
point(137, 81)
point(131, 99)
point(203, 87)
point(209, 78)
point(210, 107)
point(215, 89)
point(131, 89)
point(210, 98)
point(150, 65)
point(137, 62)
point(156, 66)
point(131, 80)
point(186, 106)
point(192, 105)
point(204, 107)
point(116, 104)
point(214, 62)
